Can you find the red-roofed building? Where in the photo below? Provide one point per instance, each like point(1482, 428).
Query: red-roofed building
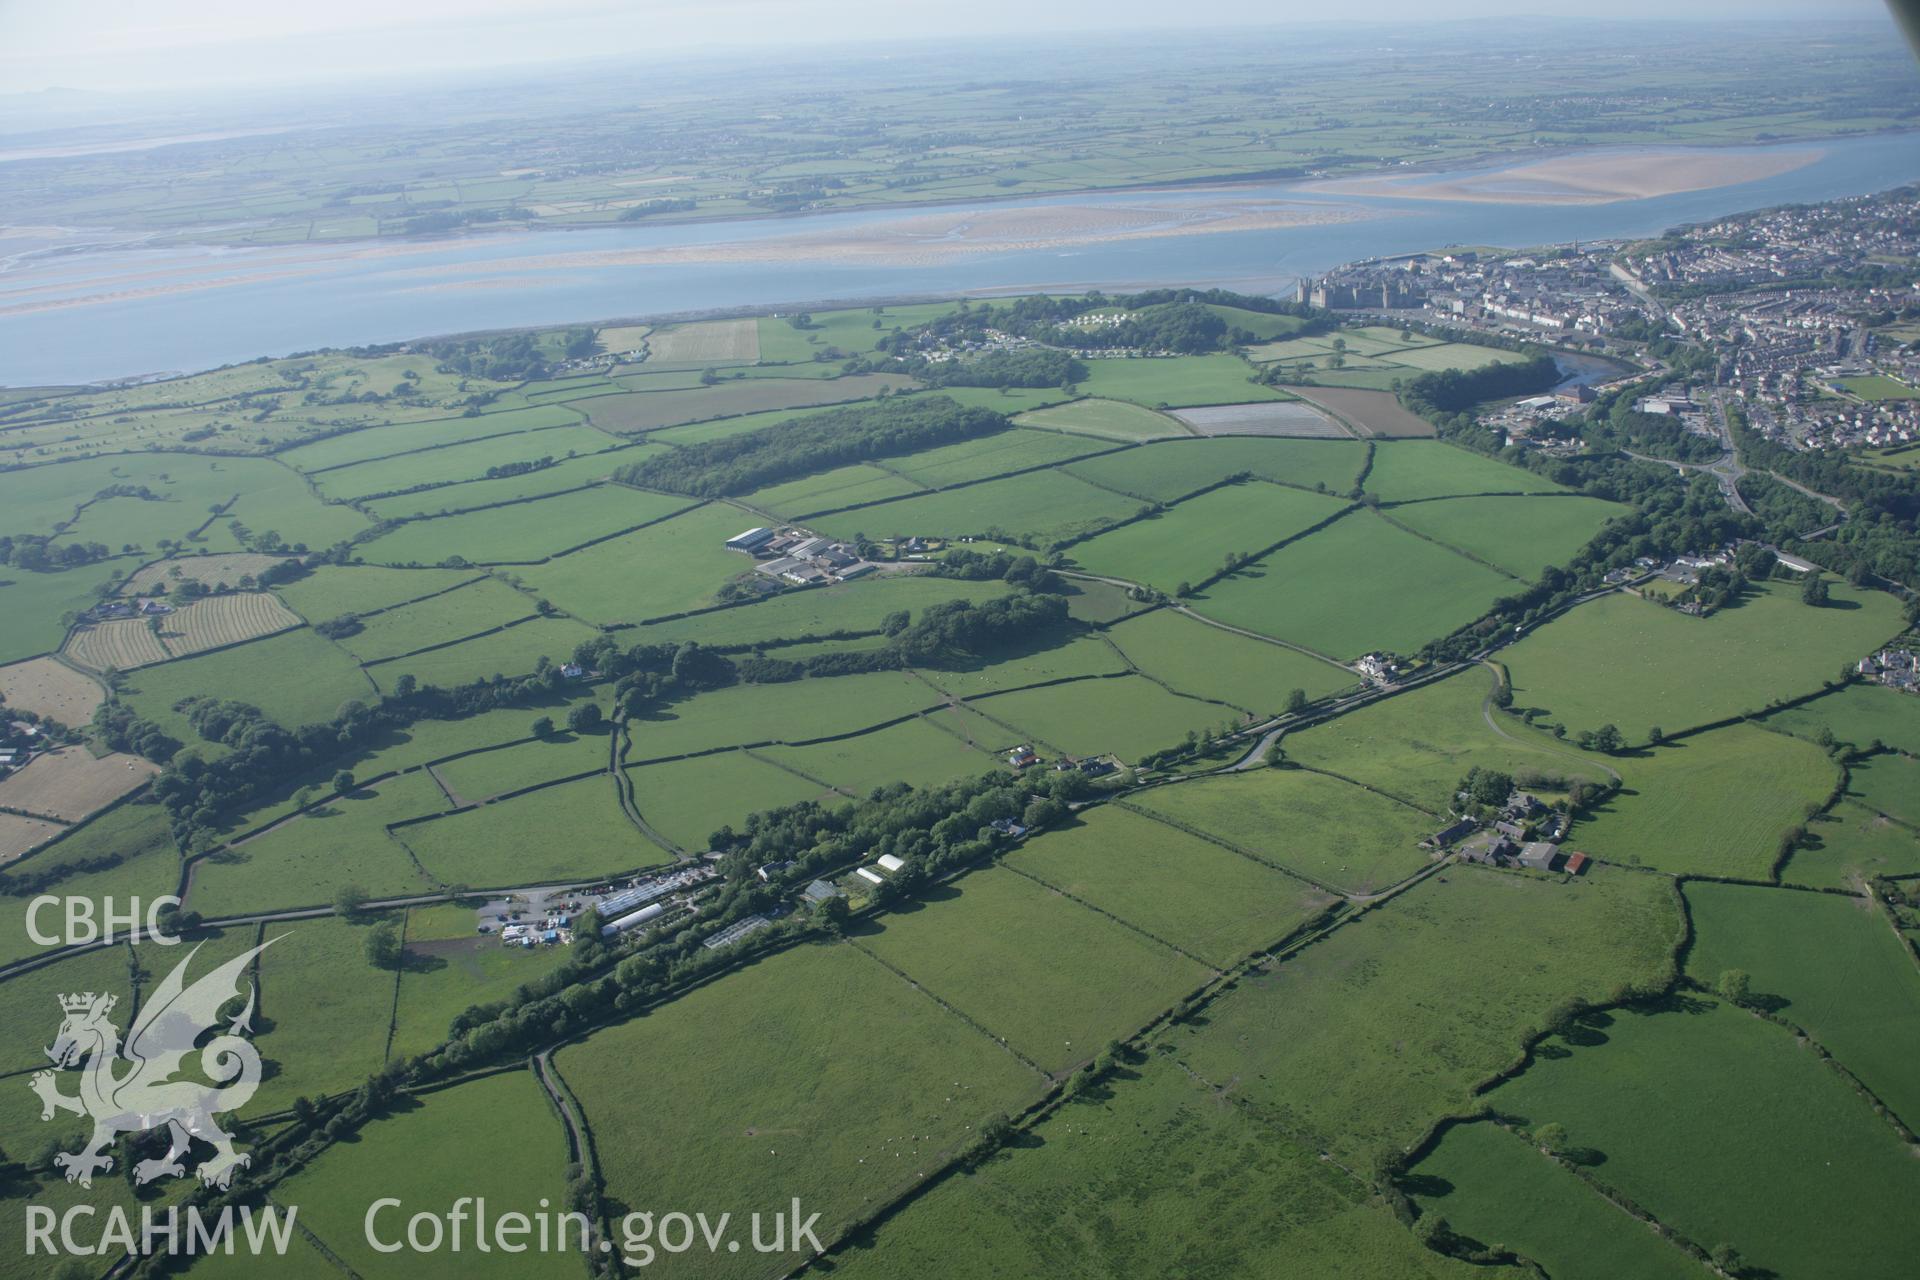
point(1576, 863)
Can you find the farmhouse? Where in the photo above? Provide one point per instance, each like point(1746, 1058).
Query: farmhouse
point(773, 871)
point(1450, 836)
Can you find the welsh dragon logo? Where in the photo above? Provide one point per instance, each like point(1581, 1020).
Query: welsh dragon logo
point(169, 1025)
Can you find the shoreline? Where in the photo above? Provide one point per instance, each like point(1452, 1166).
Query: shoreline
point(122, 239)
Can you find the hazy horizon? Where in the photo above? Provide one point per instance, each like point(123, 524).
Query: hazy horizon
point(119, 46)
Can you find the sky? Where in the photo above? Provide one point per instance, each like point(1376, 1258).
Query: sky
point(109, 45)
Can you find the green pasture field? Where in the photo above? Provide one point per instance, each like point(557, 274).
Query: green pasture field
point(1888, 784)
point(325, 1010)
point(301, 862)
point(1190, 541)
point(850, 330)
point(1713, 804)
point(1408, 469)
point(1260, 324)
point(1352, 379)
point(1523, 536)
point(572, 831)
point(992, 455)
point(31, 604)
point(1041, 505)
point(525, 532)
point(1859, 714)
point(1127, 717)
point(1056, 979)
point(385, 441)
point(916, 752)
point(1358, 1043)
point(515, 651)
point(1723, 1128)
point(137, 833)
point(648, 411)
point(1879, 387)
point(1635, 664)
point(1007, 400)
point(1826, 963)
point(495, 1137)
point(1359, 584)
point(30, 1002)
point(1152, 1175)
point(1418, 745)
point(490, 773)
point(1335, 832)
point(408, 747)
point(296, 678)
point(284, 505)
point(302, 1261)
point(853, 607)
point(1206, 900)
point(1850, 844)
point(688, 800)
point(445, 977)
point(1175, 468)
point(832, 490)
point(797, 711)
point(1044, 505)
point(1451, 355)
point(330, 591)
point(460, 462)
point(1209, 662)
point(1493, 1186)
point(184, 485)
point(465, 611)
point(814, 1073)
point(572, 473)
point(1109, 419)
point(669, 567)
point(1177, 381)
point(1068, 651)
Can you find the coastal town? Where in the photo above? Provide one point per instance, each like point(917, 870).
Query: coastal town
point(1810, 314)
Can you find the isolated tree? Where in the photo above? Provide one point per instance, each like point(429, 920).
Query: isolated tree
point(1814, 591)
point(1733, 985)
point(585, 718)
point(1728, 1259)
point(1656, 735)
point(543, 727)
point(405, 686)
point(348, 899)
point(1607, 738)
point(343, 782)
point(1551, 1138)
point(1297, 700)
point(383, 946)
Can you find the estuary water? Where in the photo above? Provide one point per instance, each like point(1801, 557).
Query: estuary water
point(73, 311)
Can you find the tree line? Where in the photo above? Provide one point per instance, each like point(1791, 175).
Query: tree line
point(807, 446)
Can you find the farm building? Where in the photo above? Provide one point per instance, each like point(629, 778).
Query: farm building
point(889, 863)
point(773, 871)
point(1537, 854)
point(819, 891)
point(1454, 834)
point(1576, 863)
point(633, 920)
point(869, 874)
point(736, 931)
point(750, 541)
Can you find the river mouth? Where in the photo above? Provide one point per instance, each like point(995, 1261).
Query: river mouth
point(73, 315)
